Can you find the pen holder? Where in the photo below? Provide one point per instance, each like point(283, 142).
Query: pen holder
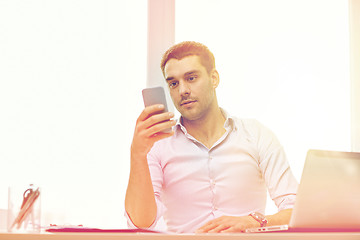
point(24, 209)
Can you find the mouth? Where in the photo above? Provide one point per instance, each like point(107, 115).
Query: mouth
point(187, 102)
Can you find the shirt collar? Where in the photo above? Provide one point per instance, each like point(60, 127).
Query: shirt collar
point(230, 120)
point(229, 123)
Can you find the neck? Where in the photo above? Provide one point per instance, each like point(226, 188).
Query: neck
point(207, 129)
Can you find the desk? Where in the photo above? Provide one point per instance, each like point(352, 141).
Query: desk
point(152, 236)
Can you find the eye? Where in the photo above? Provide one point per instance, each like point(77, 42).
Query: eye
point(192, 78)
point(173, 84)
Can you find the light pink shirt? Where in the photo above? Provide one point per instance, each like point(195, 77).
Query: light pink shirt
point(194, 184)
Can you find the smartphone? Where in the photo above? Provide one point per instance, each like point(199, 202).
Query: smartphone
point(155, 95)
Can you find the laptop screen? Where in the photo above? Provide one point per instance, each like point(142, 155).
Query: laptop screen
point(329, 192)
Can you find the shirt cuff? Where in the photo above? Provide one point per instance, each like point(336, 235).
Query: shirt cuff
point(285, 202)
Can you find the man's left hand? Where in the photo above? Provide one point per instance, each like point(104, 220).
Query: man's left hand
point(227, 224)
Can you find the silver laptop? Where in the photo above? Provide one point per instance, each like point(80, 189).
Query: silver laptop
point(328, 197)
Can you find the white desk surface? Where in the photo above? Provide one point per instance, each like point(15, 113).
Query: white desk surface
point(151, 236)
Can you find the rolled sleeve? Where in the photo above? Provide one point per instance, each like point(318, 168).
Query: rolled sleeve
point(157, 181)
point(280, 181)
point(156, 173)
point(285, 202)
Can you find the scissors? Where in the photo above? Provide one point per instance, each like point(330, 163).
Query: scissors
point(29, 197)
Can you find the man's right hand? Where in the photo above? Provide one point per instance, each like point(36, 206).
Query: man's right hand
point(140, 199)
point(150, 127)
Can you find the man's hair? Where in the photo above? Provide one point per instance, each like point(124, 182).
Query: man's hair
point(189, 48)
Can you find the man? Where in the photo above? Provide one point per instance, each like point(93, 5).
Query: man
point(211, 173)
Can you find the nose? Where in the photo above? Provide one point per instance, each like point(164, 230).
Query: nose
point(184, 89)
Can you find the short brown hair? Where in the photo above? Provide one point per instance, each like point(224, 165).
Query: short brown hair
point(188, 48)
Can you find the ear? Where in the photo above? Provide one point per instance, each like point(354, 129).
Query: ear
point(215, 78)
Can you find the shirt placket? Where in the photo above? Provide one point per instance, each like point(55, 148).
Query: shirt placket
point(212, 184)
point(210, 164)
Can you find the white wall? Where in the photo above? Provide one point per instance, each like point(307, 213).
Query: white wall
point(71, 74)
point(285, 63)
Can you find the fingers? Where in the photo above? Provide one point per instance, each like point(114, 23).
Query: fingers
point(225, 224)
point(214, 228)
point(210, 226)
point(151, 110)
point(152, 120)
point(159, 122)
point(150, 127)
point(232, 230)
point(156, 124)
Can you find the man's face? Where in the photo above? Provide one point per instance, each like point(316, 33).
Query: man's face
point(192, 88)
